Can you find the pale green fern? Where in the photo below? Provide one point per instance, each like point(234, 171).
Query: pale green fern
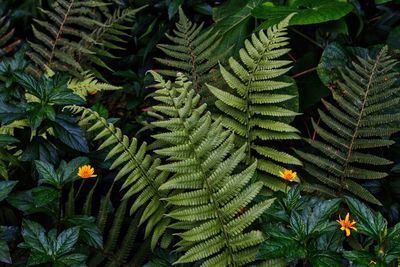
point(261, 102)
point(210, 193)
point(360, 120)
point(141, 176)
point(89, 85)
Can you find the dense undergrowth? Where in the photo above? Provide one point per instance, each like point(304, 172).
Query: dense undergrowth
point(199, 133)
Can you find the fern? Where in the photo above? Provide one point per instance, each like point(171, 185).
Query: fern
point(57, 43)
point(258, 108)
point(6, 34)
point(115, 226)
point(142, 178)
point(359, 121)
point(89, 85)
point(108, 37)
point(210, 193)
point(191, 53)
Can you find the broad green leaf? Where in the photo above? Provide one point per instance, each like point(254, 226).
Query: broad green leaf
point(5, 188)
point(6, 140)
point(361, 257)
point(326, 259)
point(4, 252)
point(368, 222)
point(89, 231)
point(233, 21)
point(43, 195)
point(70, 134)
point(73, 260)
point(66, 241)
point(307, 12)
point(173, 8)
point(68, 171)
point(24, 202)
point(317, 221)
point(34, 237)
point(47, 173)
point(293, 197)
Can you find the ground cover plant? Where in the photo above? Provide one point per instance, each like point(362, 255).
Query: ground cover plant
point(199, 133)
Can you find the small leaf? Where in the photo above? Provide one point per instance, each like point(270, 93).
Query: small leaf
point(5, 188)
point(4, 252)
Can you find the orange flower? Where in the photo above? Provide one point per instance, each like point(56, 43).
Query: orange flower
point(288, 175)
point(86, 171)
point(346, 224)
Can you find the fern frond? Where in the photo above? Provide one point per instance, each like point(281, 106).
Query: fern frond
point(55, 46)
point(141, 176)
point(191, 52)
point(258, 108)
point(89, 85)
point(6, 35)
point(212, 193)
point(108, 37)
point(360, 120)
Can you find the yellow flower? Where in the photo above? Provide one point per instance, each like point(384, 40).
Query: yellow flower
point(288, 175)
point(346, 224)
point(86, 171)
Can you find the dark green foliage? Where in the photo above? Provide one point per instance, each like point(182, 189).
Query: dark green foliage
point(59, 250)
point(360, 120)
point(300, 228)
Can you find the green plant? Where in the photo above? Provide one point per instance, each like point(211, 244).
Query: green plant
point(382, 245)
point(192, 52)
point(51, 248)
point(142, 177)
point(211, 193)
point(358, 123)
point(301, 228)
point(262, 101)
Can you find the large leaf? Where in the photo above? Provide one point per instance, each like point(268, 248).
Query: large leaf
point(307, 11)
point(89, 231)
point(233, 21)
point(5, 188)
point(368, 222)
point(7, 140)
point(43, 195)
point(70, 134)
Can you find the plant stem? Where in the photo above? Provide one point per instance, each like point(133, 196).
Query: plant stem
point(79, 190)
point(306, 37)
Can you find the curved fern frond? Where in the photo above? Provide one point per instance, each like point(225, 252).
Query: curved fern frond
point(360, 120)
point(6, 34)
point(141, 175)
point(191, 52)
point(211, 193)
point(89, 85)
point(261, 102)
point(57, 39)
